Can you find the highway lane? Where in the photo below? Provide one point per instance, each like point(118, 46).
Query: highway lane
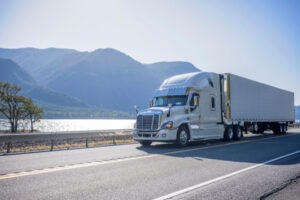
point(34, 161)
point(134, 172)
point(251, 184)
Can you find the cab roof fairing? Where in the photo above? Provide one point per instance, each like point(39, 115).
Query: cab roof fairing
point(181, 84)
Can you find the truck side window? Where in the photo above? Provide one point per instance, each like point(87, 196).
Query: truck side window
point(213, 104)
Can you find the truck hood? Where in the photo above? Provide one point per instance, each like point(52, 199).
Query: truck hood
point(154, 110)
point(162, 111)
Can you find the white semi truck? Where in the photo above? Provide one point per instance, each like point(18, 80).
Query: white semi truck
point(203, 105)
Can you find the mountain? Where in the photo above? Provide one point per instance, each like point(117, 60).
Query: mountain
point(13, 73)
point(104, 78)
point(110, 79)
point(34, 60)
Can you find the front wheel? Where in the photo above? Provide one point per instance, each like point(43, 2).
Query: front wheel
point(183, 136)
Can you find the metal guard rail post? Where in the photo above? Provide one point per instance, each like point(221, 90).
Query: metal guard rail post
point(8, 139)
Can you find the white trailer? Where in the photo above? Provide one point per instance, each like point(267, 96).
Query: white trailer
point(202, 105)
point(257, 104)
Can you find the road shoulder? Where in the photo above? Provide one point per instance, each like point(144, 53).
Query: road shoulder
point(290, 191)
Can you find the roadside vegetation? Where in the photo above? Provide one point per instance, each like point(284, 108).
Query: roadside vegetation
point(16, 107)
point(64, 144)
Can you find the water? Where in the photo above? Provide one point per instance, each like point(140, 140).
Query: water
point(57, 125)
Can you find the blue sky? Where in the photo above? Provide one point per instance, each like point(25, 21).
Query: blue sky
point(258, 39)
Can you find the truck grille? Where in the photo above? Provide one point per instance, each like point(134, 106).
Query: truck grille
point(147, 122)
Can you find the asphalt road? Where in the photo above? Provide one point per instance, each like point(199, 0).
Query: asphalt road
point(247, 169)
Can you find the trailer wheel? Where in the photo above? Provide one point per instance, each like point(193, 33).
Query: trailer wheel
point(276, 128)
point(145, 143)
point(261, 128)
point(228, 135)
point(237, 133)
point(183, 136)
point(261, 131)
point(283, 128)
point(255, 128)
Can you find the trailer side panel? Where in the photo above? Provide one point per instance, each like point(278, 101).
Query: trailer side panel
point(253, 101)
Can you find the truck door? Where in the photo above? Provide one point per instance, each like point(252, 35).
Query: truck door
point(194, 115)
point(210, 127)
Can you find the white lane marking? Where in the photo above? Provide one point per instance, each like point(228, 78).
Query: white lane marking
point(75, 166)
point(89, 164)
point(168, 196)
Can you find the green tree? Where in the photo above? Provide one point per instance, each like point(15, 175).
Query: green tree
point(34, 113)
point(16, 107)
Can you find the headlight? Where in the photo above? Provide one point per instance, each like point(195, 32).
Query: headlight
point(134, 125)
point(167, 125)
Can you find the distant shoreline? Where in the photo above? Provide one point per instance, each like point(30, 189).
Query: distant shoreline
point(58, 125)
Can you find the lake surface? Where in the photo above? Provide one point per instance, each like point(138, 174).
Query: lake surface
point(57, 125)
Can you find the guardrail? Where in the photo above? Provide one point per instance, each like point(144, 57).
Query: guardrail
point(295, 125)
point(9, 139)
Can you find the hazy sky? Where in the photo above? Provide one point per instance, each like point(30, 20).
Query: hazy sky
point(258, 39)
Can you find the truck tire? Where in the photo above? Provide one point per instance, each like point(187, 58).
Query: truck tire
point(261, 128)
point(145, 143)
point(237, 133)
point(183, 136)
point(228, 134)
point(279, 129)
point(255, 128)
point(261, 131)
point(276, 128)
point(283, 128)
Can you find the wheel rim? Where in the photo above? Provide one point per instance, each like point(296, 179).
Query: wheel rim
point(255, 128)
point(183, 137)
point(230, 133)
point(284, 128)
point(239, 133)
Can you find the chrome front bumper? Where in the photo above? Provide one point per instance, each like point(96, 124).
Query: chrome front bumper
point(160, 135)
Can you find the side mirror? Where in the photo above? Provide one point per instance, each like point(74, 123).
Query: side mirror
point(151, 103)
point(169, 106)
point(136, 108)
point(196, 101)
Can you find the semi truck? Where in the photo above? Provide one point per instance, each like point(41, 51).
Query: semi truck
point(206, 105)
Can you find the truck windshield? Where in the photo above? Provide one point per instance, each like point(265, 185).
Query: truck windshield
point(164, 101)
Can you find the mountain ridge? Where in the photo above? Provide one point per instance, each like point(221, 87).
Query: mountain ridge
point(13, 73)
point(103, 78)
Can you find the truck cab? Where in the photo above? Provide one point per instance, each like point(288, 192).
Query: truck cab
point(187, 107)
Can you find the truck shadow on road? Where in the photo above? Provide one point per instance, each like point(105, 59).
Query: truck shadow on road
point(251, 149)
